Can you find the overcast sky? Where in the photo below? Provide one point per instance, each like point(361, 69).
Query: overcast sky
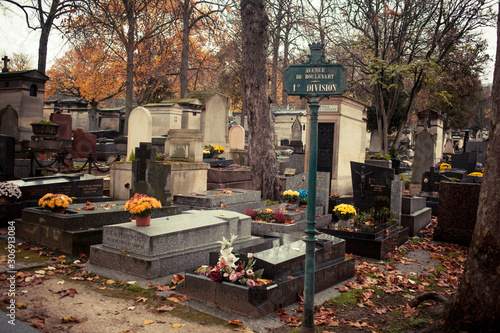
point(15, 37)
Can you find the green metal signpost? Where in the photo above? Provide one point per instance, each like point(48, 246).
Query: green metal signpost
point(311, 80)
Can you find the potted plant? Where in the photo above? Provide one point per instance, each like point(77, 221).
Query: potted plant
point(291, 196)
point(142, 206)
point(211, 150)
point(9, 192)
point(56, 203)
point(344, 212)
point(44, 127)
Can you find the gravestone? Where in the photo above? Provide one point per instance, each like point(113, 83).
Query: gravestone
point(375, 186)
point(458, 203)
point(140, 129)
point(448, 147)
point(285, 142)
point(214, 121)
point(466, 161)
point(65, 125)
point(424, 155)
point(149, 177)
point(83, 144)
point(9, 122)
point(479, 148)
point(184, 145)
point(296, 130)
point(237, 137)
point(7, 150)
point(170, 244)
point(301, 182)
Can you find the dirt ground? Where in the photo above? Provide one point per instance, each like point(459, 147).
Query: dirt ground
point(58, 294)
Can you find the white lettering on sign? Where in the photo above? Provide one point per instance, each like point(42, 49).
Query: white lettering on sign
point(328, 108)
point(321, 87)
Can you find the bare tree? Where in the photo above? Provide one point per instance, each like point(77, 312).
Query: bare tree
point(403, 42)
point(125, 24)
point(42, 15)
point(262, 157)
point(192, 14)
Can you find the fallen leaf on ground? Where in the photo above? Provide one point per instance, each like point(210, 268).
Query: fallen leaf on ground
point(176, 325)
point(177, 278)
point(179, 298)
point(164, 288)
point(235, 322)
point(20, 305)
point(165, 308)
point(147, 322)
point(68, 292)
point(110, 281)
point(69, 320)
point(140, 299)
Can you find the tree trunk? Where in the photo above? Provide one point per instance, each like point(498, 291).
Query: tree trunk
point(186, 15)
point(129, 85)
point(262, 157)
point(476, 305)
point(42, 48)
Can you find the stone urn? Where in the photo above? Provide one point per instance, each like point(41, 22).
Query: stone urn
point(44, 129)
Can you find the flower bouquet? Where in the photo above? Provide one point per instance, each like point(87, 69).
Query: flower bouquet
point(142, 207)
point(9, 192)
point(344, 211)
point(227, 269)
point(291, 196)
point(267, 215)
point(56, 203)
point(210, 150)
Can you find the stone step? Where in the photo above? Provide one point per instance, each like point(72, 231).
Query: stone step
point(410, 205)
point(417, 220)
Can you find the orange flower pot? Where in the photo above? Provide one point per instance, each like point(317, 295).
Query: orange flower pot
point(142, 221)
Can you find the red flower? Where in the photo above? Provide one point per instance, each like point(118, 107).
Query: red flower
point(215, 276)
point(239, 268)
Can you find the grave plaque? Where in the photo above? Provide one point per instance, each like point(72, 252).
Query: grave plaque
point(372, 186)
point(77, 185)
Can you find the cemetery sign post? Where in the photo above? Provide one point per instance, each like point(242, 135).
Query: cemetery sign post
point(312, 79)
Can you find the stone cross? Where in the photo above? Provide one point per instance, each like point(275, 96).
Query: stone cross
point(5, 61)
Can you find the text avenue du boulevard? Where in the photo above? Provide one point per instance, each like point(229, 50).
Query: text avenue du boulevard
point(315, 73)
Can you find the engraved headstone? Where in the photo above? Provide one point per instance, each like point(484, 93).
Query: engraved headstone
point(375, 186)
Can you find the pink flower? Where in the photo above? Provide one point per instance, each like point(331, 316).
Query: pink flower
point(249, 272)
point(233, 277)
point(239, 275)
point(250, 283)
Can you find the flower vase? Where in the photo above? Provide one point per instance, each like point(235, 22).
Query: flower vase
point(142, 221)
point(60, 211)
point(344, 223)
